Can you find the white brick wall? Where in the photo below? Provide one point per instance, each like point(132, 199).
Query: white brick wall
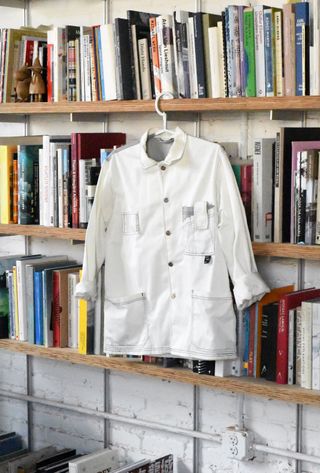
point(130, 395)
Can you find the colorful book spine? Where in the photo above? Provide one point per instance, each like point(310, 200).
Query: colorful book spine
point(155, 56)
point(38, 307)
point(278, 53)
point(259, 51)
point(302, 48)
point(268, 52)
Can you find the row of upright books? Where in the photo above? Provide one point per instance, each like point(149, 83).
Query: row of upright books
point(51, 180)
point(244, 51)
point(279, 187)
point(281, 337)
point(37, 303)
point(15, 458)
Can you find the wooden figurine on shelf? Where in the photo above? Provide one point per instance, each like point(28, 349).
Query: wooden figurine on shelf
point(37, 87)
point(22, 79)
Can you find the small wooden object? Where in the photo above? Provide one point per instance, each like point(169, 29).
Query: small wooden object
point(22, 79)
point(37, 87)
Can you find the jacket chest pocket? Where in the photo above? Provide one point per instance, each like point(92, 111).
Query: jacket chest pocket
point(198, 229)
point(130, 223)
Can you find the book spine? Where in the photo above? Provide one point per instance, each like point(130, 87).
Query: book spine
point(222, 60)
point(306, 345)
point(268, 53)
point(65, 186)
point(72, 311)
point(38, 309)
point(292, 347)
point(15, 189)
point(192, 60)
point(311, 197)
point(50, 96)
point(16, 303)
point(155, 56)
point(30, 304)
point(168, 79)
point(82, 340)
point(301, 197)
point(93, 69)
point(215, 86)
point(251, 340)
point(60, 186)
point(11, 305)
point(289, 47)
point(235, 80)
point(144, 69)
point(302, 48)
point(282, 343)
point(278, 53)
point(318, 205)
point(242, 52)
point(136, 61)
point(56, 309)
point(199, 54)
point(262, 192)
point(315, 346)
point(298, 346)
point(74, 181)
point(259, 51)
point(119, 72)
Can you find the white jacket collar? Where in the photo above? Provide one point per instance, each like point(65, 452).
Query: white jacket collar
point(175, 153)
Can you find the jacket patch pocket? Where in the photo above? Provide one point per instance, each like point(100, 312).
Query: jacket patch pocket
point(213, 322)
point(125, 320)
point(198, 227)
point(130, 223)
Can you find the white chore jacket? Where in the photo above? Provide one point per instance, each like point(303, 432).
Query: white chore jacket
point(170, 229)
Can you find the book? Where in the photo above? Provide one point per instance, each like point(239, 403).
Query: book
point(284, 191)
point(25, 463)
point(63, 454)
point(292, 347)
point(102, 460)
point(60, 305)
point(108, 62)
point(262, 189)
point(249, 52)
point(73, 279)
point(7, 153)
point(87, 146)
point(181, 53)
point(28, 175)
point(144, 64)
point(132, 467)
point(269, 324)
point(123, 61)
point(47, 296)
point(289, 49)
point(166, 54)
point(42, 263)
point(288, 301)
point(10, 444)
point(301, 10)
point(259, 50)
point(296, 147)
point(308, 308)
point(85, 326)
point(22, 293)
point(273, 296)
point(139, 28)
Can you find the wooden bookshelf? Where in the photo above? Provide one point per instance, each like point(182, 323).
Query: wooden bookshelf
point(248, 386)
point(39, 231)
point(247, 104)
point(287, 250)
point(281, 250)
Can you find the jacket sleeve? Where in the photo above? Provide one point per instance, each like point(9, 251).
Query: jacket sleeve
point(94, 250)
point(234, 237)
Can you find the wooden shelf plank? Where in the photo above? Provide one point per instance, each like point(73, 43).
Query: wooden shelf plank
point(43, 232)
point(283, 250)
point(176, 105)
point(287, 250)
point(248, 386)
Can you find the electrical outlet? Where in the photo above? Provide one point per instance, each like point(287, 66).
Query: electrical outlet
point(237, 444)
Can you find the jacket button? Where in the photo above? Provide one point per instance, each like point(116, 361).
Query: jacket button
point(170, 264)
point(168, 232)
point(166, 200)
point(173, 296)
point(163, 168)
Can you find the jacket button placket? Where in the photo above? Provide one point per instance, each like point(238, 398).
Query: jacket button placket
point(168, 227)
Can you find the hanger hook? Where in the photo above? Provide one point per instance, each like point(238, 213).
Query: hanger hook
point(159, 112)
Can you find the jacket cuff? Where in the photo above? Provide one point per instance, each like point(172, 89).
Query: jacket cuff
point(86, 290)
point(249, 289)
